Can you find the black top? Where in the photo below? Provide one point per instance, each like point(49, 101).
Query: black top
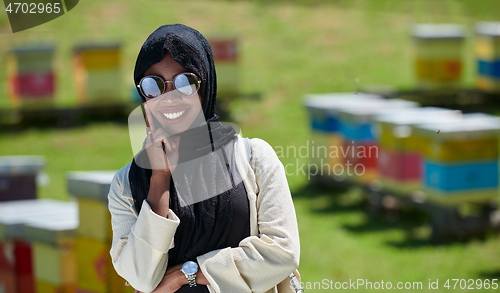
point(238, 230)
point(231, 225)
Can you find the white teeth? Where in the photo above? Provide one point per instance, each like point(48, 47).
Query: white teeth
point(173, 115)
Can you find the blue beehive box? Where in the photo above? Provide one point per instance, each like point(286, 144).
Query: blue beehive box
point(323, 108)
point(325, 127)
point(461, 159)
point(357, 123)
point(487, 43)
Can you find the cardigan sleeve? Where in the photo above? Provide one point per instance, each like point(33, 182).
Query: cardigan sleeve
point(260, 262)
point(140, 244)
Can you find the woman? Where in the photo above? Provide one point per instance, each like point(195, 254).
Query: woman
point(200, 209)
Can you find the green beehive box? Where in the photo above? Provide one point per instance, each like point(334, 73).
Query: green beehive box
point(53, 240)
point(34, 58)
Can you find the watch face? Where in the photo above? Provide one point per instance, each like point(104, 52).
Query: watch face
point(190, 267)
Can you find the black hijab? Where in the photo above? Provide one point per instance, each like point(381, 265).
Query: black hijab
point(188, 48)
point(204, 225)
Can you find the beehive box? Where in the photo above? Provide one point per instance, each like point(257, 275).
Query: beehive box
point(438, 55)
point(32, 80)
point(400, 160)
point(97, 74)
point(54, 260)
point(95, 270)
point(16, 253)
point(18, 176)
point(487, 47)
point(360, 149)
point(461, 159)
point(326, 139)
point(226, 55)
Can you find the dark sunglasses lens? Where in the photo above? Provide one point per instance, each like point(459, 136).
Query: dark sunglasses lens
point(186, 84)
point(152, 87)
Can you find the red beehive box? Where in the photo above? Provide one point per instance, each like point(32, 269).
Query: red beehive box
point(31, 76)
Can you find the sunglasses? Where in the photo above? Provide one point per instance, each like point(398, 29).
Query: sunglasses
point(186, 84)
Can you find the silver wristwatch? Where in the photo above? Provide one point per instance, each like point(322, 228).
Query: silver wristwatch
point(190, 268)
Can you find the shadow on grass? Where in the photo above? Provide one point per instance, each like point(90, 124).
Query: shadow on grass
point(388, 221)
point(495, 274)
point(344, 200)
point(410, 244)
point(325, 200)
point(313, 190)
point(19, 128)
point(53, 118)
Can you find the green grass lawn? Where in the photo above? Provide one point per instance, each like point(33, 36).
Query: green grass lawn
point(288, 49)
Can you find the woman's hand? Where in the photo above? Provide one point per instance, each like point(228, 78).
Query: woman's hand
point(162, 151)
point(171, 282)
point(174, 279)
point(161, 148)
point(163, 155)
point(135, 291)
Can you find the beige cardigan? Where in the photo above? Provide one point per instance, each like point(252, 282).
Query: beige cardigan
point(141, 242)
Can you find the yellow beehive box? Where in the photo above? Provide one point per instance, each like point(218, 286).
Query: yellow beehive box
point(438, 56)
point(98, 56)
point(95, 220)
point(103, 86)
point(45, 287)
point(95, 270)
point(474, 137)
point(102, 59)
point(393, 130)
point(91, 190)
point(97, 73)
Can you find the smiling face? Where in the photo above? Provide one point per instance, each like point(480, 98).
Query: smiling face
point(174, 112)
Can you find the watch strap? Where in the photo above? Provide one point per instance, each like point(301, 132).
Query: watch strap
point(191, 279)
